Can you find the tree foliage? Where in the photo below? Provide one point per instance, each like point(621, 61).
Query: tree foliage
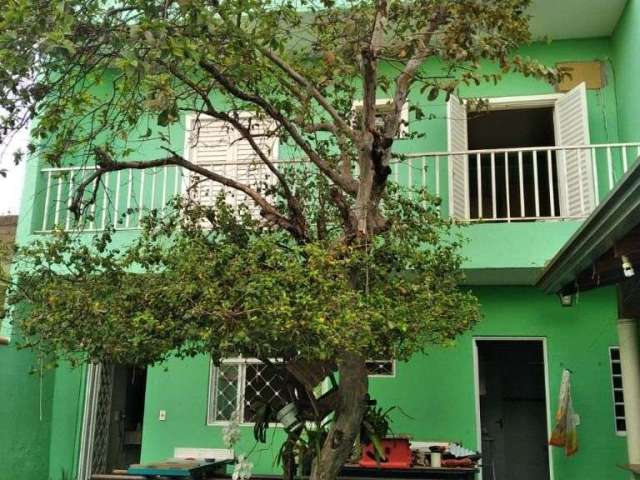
point(240, 289)
point(339, 266)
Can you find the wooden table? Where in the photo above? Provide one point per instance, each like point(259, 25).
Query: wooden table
point(419, 473)
point(186, 469)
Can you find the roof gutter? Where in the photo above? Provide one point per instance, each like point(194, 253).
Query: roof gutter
point(618, 213)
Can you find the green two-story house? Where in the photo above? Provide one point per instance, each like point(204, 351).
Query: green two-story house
point(522, 175)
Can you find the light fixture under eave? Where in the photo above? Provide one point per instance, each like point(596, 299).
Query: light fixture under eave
point(565, 300)
point(627, 267)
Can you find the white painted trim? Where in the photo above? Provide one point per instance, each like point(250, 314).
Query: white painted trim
point(476, 384)
point(520, 102)
point(91, 393)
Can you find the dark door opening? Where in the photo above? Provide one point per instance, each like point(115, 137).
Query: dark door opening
point(529, 128)
point(119, 414)
point(513, 410)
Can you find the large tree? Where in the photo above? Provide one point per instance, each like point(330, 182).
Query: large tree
point(336, 266)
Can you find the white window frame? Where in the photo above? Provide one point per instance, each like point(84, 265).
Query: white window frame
point(383, 375)
point(519, 102)
point(241, 363)
point(620, 433)
point(403, 131)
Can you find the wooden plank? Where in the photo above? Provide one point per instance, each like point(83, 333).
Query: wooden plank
point(177, 468)
point(589, 72)
point(113, 476)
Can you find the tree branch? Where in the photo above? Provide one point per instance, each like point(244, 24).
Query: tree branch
point(292, 200)
point(340, 122)
point(106, 164)
point(347, 184)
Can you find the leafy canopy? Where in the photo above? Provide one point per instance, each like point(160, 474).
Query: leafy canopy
point(344, 264)
point(241, 289)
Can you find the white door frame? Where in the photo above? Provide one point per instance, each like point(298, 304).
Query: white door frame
point(91, 394)
point(476, 383)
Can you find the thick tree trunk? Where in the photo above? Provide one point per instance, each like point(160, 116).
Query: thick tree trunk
point(339, 443)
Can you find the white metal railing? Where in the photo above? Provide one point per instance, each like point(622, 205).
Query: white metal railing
point(512, 184)
point(526, 184)
point(121, 199)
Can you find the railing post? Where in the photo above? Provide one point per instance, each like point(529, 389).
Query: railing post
point(494, 202)
point(438, 175)
point(47, 195)
point(479, 184)
point(552, 198)
point(128, 204)
point(594, 167)
point(506, 184)
point(521, 181)
point(117, 199)
point(536, 187)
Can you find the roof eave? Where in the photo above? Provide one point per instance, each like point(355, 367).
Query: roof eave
point(618, 213)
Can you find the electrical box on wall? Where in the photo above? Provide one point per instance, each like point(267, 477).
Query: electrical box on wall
point(589, 72)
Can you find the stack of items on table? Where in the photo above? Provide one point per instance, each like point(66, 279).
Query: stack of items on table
point(443, 455)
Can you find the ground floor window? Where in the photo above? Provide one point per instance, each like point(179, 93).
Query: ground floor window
point(381, 368)
point(241, 386)
point(618, 393)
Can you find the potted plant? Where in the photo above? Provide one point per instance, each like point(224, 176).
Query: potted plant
point(378, 448)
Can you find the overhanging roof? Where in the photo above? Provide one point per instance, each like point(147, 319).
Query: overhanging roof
point(563, 19)
point(615, 218)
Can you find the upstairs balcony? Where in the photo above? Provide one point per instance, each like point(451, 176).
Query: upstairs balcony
point(534, 184)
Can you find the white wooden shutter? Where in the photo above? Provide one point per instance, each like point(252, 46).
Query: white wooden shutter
point(575, 169)
point(209, 147)
point(458, 164)
point(220, 148)
point(248, 167)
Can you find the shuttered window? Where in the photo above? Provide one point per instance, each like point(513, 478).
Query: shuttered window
point(220, 148)
point(458, 164)
point(572, 129)
point(571, 173)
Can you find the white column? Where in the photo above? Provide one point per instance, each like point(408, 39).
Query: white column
point(630, 363)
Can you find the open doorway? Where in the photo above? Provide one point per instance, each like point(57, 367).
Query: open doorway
point(512, 397)
point(513, 128)
point(113, 416)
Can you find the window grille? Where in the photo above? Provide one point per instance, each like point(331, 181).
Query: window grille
point(242, 386)
point(381, 368)
point(618, 393)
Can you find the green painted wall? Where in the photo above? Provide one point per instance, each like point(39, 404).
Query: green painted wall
point(66, 418)
point(436, 390)
point(25, 416)
point(625, 45)
point(182, 389)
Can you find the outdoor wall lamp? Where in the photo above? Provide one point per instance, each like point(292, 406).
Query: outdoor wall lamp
point(565, 300)
point(627, 267)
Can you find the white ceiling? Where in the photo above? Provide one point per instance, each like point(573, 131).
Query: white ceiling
point(559, 19)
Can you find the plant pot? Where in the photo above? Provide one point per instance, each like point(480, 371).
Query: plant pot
point(288, 417)
point(397, 454)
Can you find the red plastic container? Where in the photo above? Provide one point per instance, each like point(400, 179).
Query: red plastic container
point(397, 452)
